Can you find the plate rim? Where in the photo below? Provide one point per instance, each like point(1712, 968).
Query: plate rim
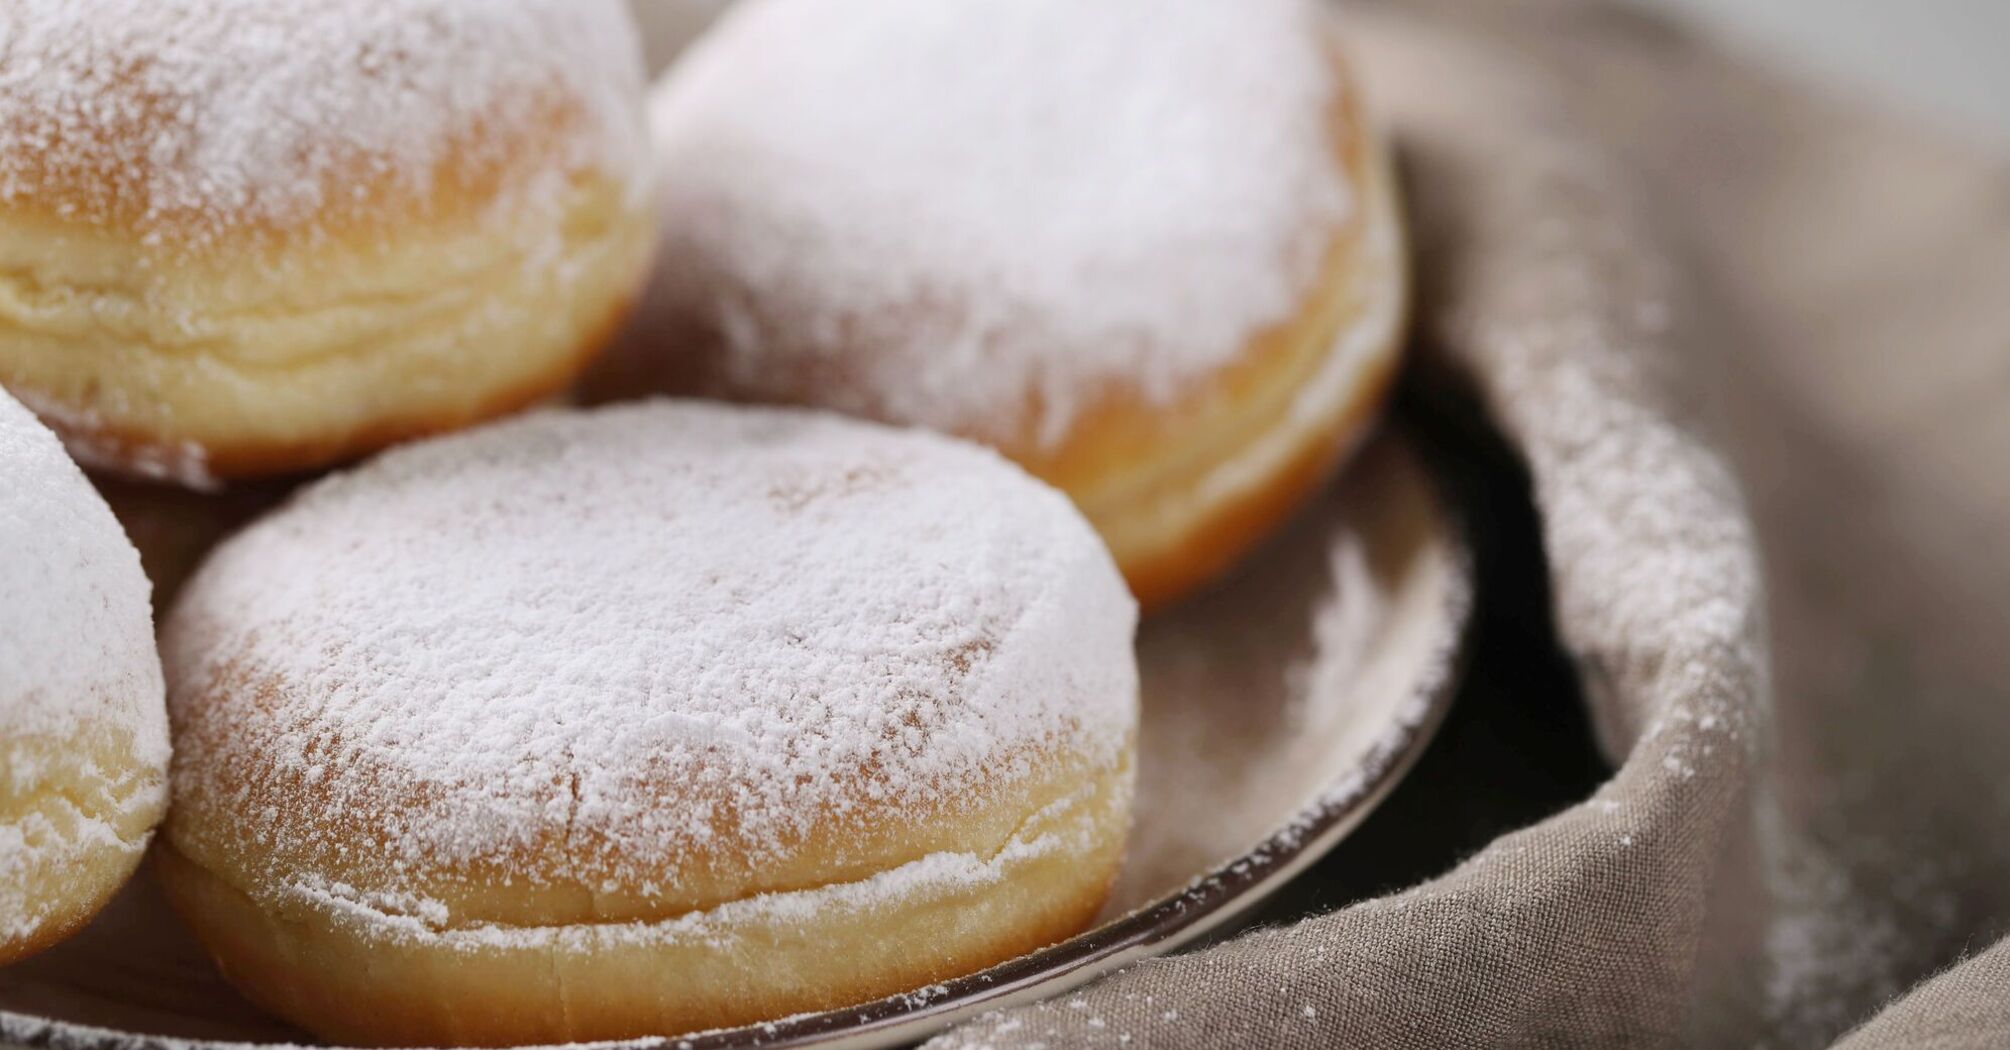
point(1205, 903)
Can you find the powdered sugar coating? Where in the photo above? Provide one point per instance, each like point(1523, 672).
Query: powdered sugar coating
point(76, 627)
point(985, 216)
point(78, 670)
point(185, 118)
point(629, 637)
point(931, 875)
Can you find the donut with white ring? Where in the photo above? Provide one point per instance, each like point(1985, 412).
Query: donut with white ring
point(645, 720)
point(1150, 249)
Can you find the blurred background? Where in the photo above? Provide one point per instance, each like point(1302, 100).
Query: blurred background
point(1943, 58)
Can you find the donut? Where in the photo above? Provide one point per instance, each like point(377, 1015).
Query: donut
point(649, 719)
point(83, 727)
point(240, 239)
point(1149, 249)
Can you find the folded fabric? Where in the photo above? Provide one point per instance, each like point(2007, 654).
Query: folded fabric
point(1678, 286)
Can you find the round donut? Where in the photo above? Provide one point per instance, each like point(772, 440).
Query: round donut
point(83, 729)
point(645, 720)
point(1149, 249)
point(240, 238)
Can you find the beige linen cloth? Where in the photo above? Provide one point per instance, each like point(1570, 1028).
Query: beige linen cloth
point(1755, 348)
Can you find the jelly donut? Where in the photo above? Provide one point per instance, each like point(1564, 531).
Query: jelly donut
point(240, 238)
point(83, 730)
point(645, 720)
point(1148, 249)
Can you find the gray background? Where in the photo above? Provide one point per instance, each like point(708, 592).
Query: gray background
point(1946, 58)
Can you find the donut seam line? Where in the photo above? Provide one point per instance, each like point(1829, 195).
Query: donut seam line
point(129, 796)
point(206, 350)
point(377, 922)
point(1354, 351)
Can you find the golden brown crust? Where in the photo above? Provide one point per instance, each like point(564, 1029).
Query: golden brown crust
point(442, 226)
point(328, 351)
point(75, 187)
point(1197, 523)
point(1238, 524)
point(1182, 492)
point(1124, 428)
point(363, 978)
point(561, 875)
point(133, 452)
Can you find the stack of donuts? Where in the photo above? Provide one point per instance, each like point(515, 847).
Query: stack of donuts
point(868, 373)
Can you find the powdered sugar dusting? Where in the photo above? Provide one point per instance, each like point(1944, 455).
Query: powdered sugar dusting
point(933, 875)
point(76, 630)
point(984, 216)
point(76, 656)
point(639, 634)
point(187, 117)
